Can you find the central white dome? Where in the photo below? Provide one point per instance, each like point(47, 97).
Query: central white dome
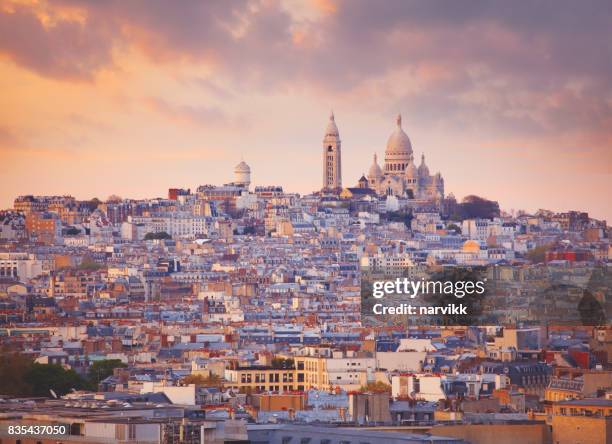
point(399, 142)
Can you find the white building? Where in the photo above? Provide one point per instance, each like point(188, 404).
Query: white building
point(400, 176)
point(23, 266)
point(242, 175)
point(177, 225)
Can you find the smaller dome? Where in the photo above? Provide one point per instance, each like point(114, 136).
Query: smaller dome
point(423, 169)
point(332, 129)
point(375, 170)
point(471, 246)
point(242, 167)
point(411, 170)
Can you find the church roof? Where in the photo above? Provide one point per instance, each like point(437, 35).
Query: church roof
point(242, 167)
point(398, 142)
point(359, 192)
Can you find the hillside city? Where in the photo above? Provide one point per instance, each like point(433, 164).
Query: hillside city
point(231, 313)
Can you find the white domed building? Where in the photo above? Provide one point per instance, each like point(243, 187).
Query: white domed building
point(400, 177)
point(242, 175)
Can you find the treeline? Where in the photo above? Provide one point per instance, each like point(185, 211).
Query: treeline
point(21, 376)
point(157, 236)
point(475, 207)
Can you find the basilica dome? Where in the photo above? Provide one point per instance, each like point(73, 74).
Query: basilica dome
point(399, 143)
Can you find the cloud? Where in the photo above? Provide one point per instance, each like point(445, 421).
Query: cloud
point(7, 137)
point(539, 68)
point(193, 115)
point(256, 40)
point(535, 77)
point(212, 87)
point(65, 49)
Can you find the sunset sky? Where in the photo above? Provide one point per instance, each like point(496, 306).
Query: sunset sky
point(133, 97)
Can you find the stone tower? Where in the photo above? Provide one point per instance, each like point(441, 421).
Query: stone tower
point(332, 165)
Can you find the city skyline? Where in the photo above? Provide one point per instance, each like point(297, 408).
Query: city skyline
point(305, 221)
point(151, 101)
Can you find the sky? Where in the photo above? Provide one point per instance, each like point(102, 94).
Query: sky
point(509, 101)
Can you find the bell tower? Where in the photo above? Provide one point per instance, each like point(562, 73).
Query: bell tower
point(332, 165)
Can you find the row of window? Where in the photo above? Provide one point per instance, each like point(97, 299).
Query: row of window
point(247, 378)
point(396, 166)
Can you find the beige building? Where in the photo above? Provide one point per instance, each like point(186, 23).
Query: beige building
point(584, 421)
point(262, 379)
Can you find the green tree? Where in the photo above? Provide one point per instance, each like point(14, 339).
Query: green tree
point(476, 207)
point(399, 216)
point(159, 235)
point(211, 381)
point(13, 369)
point(93, 204)
point(45, 377)
point(454, 227)
point(537, 255)
point(376, 387)
point(89, 264)
point(101, 370)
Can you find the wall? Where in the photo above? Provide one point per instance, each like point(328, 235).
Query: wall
point(496, 433)
point(581, 429)
point(404, 361)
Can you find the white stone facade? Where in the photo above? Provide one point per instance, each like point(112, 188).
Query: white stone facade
point(400, 176)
